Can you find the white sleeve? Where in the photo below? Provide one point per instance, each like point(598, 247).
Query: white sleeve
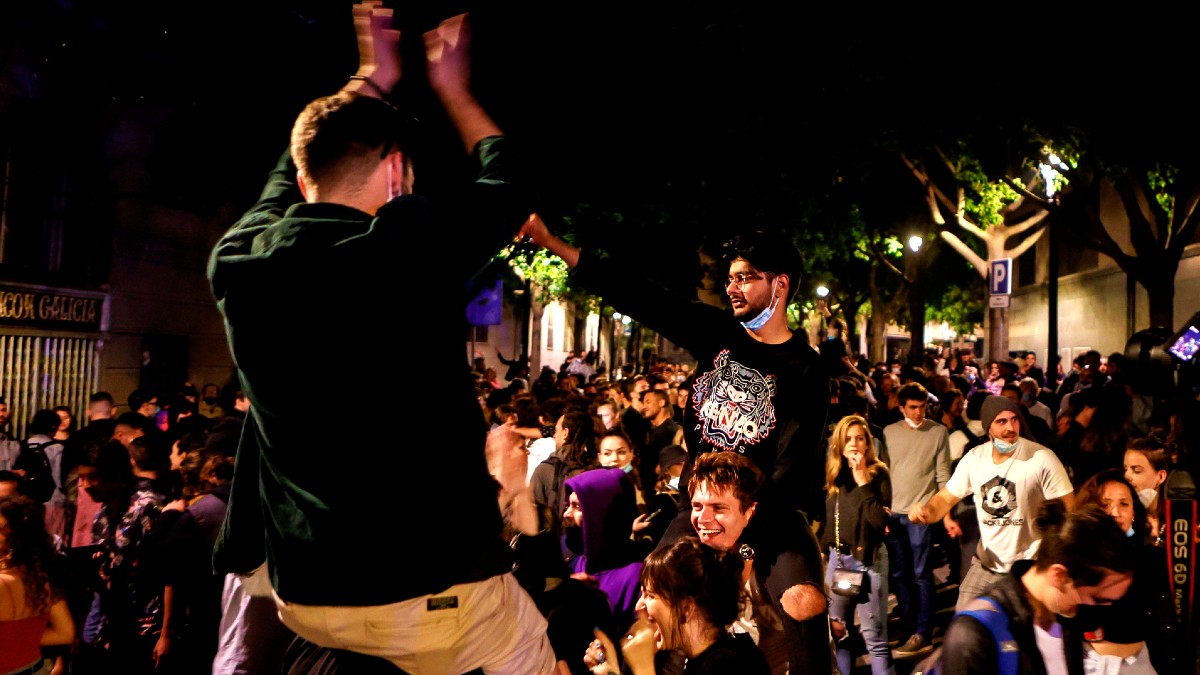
point(959, 484)
point(1054, 479)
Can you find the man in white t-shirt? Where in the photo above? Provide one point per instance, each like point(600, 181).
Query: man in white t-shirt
point(1010, 477)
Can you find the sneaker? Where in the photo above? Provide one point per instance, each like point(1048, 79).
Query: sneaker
point(914, 645)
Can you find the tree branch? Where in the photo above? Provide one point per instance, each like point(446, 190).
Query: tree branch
point(1013, 230)
point(1016, 251)
point(967, 225)
point(966, 252)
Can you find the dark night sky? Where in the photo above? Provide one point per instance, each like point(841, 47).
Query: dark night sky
point(613, 100)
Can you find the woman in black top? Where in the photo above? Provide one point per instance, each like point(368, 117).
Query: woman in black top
point(1139, 630)
point(856, 510)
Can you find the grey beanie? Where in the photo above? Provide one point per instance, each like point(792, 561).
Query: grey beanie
point(994, 405)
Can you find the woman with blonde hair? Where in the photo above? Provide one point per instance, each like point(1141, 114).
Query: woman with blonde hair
point(859, 499)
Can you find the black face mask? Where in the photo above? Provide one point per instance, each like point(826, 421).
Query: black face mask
point(1088, 621)
point(573, 538)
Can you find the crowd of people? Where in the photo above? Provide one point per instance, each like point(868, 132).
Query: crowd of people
point(750, 512)
point(107, 530)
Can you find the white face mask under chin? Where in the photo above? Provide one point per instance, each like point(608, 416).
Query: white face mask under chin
point(1146, 496)
point(390, 196)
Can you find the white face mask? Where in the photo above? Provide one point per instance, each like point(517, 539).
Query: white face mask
point(1147, 495)
point(673, 483)
point(390, 196)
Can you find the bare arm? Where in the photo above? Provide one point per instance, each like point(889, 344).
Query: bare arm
point(935, 509)
point(60, 629)
point(378, 51)
point(535, 228)
point(508, 462)
point(803, 601)
point(447, 56)
point(1068, 500)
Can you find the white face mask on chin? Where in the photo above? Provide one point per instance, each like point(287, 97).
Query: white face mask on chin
point(1146, 496)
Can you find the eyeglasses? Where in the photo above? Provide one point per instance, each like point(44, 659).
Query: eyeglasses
point(741, 279)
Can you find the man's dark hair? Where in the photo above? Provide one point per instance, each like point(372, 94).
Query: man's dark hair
point(767, 252)
point(45, 422)
point(913, 391)
point(138, 398)
point(101, 396)
point(338, 140)
point(136, 420)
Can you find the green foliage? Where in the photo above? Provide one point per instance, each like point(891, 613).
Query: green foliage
point(986, 197)
point(1162, 181)
point(961, 307)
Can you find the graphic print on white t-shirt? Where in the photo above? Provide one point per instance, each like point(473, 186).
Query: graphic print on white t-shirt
point(998, 497)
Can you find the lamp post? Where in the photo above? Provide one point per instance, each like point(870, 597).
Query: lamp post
point(916, 300)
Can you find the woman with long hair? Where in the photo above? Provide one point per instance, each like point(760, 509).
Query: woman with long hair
point(859, 490)
point(690, 594)
point(1136, 634)
point(33, 609)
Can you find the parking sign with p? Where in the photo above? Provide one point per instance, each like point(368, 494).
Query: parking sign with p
point(1000, 276)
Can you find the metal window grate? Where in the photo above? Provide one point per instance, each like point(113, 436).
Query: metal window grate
point(44, 372)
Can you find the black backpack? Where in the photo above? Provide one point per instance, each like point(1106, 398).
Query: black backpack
point(38, 481)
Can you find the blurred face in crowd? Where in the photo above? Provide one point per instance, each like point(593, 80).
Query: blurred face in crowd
point(1064, 597)
point(749, 290)
point(608, 415)
point(855, 445)
point(661, 616)
point(652, 405)
point(615, 452)
point(125, 434)
point(3, 414)
point(1006, 426)
point(955, 410)
point(1117, 501)
point(573, 513)
point(719, 517)
point(560, 433)
point(914, 411)
point(1140, 473)
point(681, 398)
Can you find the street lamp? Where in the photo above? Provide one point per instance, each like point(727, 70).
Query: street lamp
point(916, 300)
point(822, 291)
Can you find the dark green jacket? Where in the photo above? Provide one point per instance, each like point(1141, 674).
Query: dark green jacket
point(341, 325)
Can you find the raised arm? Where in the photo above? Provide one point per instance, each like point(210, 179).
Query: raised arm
point(535, 228)
point(447, 57)
point(378, 51)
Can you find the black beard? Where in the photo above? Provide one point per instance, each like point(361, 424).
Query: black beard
point(573, 538)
